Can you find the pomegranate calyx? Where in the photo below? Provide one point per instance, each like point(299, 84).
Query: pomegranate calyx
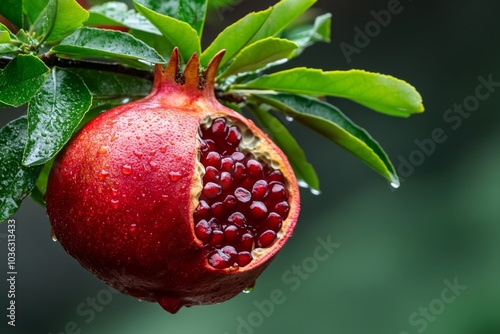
point(190, 79)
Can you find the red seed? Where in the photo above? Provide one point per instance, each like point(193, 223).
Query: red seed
point(202, 210)
point(254, 169)
point(203, 230)
point(219, 128)
point(219, 260)
point(244, 258)
point(266, 239)
point(237, 219)
point(217, 238)
point(212, 159)
point(277, 192)
point(246, 242)
point(259, 190)
point(242, 195)
point(231, 234)
point(238, 156)
point(212, 190)
point(226, 181)
point(273, 222)
point(211, 175)
point(210, 144)
point(239, 171)
point(227, 165)
point(230, 251)
point(233, 137)
point(257, 210)
point(275, 176)
point(218, 210)
point(282, 209)
point(230, 202)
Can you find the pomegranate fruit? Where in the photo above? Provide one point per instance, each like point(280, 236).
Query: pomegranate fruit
point(173, 198)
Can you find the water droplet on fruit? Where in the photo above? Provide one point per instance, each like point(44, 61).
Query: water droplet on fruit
point(103, 149)
point(103, 174)
point(133, 228)
point(248, 290)
point(174, 176)
point(53, 235)
point(163, 149)
point(289, 118)
point(115, 203)
point(126, 169)
point(138, 154)
point(164, 198)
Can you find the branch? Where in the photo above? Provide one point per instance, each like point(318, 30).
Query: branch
point(51, 61)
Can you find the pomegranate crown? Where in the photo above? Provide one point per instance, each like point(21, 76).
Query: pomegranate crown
point(191, 78)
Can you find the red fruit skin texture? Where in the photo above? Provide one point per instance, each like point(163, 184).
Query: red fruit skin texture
point(121, 196)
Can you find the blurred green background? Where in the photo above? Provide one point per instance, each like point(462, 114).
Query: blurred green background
point(397, 253)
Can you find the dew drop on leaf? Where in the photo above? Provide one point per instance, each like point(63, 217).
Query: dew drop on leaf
point(315, 192)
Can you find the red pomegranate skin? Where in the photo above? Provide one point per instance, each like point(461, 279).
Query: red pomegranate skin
point(121, 194)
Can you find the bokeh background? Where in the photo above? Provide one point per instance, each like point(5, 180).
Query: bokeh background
point(397, 252)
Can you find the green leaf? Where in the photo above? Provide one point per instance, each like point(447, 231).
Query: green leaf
point(334, 125)
point(157, 42)
point(118, 14)
point(12, 10)
point(235, 37)
point(168, 7)
point(21, 79)
point(54, 114)
point(45, 22)
point(279, 134)
point(16, 180)
point(3, 29)
point(260, 54)
point(7, 49)
point(113, 85)
point(32, 9)
point(4, 37)
point(379, 92)
point(193, 12)
point(305, 36)
point(70, 16)
point(282, 14)
point(102, 43)
point(177, 33)
point(41, 182)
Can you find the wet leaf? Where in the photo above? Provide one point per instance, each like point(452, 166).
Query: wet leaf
point(16, 180)
point(21, 79)
point(334, 125)
point(379, 92)
point(54, 114)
